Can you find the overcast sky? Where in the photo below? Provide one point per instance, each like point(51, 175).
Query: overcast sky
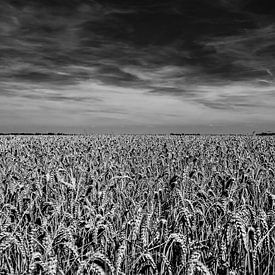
point(137, 66)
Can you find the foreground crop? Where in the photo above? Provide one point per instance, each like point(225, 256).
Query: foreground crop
point(137, 205)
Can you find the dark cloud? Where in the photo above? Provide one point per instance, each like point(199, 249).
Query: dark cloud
point(52, 34)
point(37, 76)
point(105, 111)
point(250, 53)
point(111, 74)
point(185, 93)
point(57, 33)
point(234, 102)
point(56, 98)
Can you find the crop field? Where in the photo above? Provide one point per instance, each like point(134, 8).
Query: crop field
point(134, 204)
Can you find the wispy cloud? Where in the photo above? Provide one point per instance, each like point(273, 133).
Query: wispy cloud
point(250, 53)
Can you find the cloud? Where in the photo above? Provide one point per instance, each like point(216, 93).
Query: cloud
point(151, 62)
point(250, 53)
point(238, 96)
point(50, 36)
point(38, 93)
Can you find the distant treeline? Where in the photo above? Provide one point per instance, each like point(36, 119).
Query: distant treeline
point(183, 134)
point(265, 134)
point(171, 134)
point(36, 134)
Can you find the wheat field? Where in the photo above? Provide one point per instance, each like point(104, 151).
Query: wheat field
point(137, 204)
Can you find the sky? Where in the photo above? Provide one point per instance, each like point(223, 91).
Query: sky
point(147, 66)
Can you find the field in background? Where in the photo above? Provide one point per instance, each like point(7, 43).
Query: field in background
point(137, 205)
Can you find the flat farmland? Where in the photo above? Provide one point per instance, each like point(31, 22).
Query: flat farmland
point(137, 204)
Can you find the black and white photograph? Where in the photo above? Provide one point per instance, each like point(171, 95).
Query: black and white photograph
point(137, 137)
